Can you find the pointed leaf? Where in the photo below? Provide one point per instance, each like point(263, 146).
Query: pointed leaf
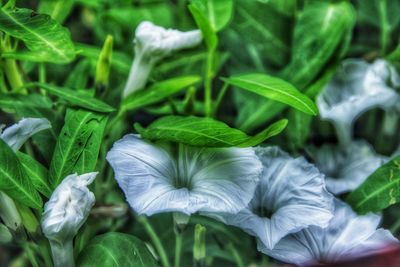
point(380, 190)
point(275, 89)
point(46, 39)
point(14, 181)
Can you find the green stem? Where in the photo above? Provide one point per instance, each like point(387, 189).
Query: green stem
point(238, 259)
point(208, 82)
point(385, 28)
point(155, 239)
point(220, 97)
point(31, 255)
point(178, 248)
point(395, 227)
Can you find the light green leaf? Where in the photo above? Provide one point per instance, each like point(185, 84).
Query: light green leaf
point(14, 181)
point(78, 145)
point(46, 39)
point(36, 172)
point(275, 89)
point(158, 92)
point(116, 249)
point(204, 132)
point(209, 34)
point(380, 190)
point(217, 12)
point(75, 98)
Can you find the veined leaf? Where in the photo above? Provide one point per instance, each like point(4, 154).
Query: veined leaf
point(217, 12)
point(14, 181)
point(158, 92)
point(76, 98)
point(380, 190)
point(36, 172)
point(204, 132)
point(46, 39)
point(105, 250)
point(320, 29)
point(275, 89)
point(209, 34)
point(78, 145)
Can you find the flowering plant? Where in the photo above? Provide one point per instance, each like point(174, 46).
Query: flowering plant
point(199, 133)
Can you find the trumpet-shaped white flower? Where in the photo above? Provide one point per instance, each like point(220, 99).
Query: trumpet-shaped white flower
point(162, 177)
point(346, 167)
point(291, 196)
point(348, 236)
point(356, 88)
point(65, 213)
point(16, 135)
point(153, 43)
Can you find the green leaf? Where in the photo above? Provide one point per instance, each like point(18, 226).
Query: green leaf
point(204, 132)
point(46, 39)
point(78, 145)
point(275, 89)
point(209, 34)
point(76, 98)
point(116, 249)
point(14, 181)
point(320, 30)
point(380, 190)
point(157, 92)
point(217, 12)
point(37, 173)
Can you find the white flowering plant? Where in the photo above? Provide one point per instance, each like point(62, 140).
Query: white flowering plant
point(203, 133)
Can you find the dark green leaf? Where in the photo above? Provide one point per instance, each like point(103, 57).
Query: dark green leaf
point(14, 181)
point(116, 249)
point(204, 25)
point(320, 30)
point(76, 98)
point(204, 132)
point(46, 39)
point(380, 190)
point(37, 173)
point(158, 92)
point(78, 145)
point(275, 89)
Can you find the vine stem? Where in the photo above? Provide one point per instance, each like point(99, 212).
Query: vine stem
point(208, 82)
point(155, 239)
point(178, 248)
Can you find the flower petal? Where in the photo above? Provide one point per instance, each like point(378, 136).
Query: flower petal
point(16, 135)
point(346, 167)
point(347, 236)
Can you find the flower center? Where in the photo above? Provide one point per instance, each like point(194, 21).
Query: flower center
point(264, 212)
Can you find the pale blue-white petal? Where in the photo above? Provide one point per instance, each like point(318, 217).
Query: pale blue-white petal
point(160, 178)
point(347, 236)
point(16, 135)
point(291, 196)
point(346, 167)
point(356, 88)
point(68, 207)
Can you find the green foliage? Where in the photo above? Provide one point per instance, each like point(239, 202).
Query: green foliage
point(47, 40)
point(380, 190)
point(275, 89)
point(116, 249)
point(78, 145)
point(15, 181)
point(217, 12)
point(76, 98)
point(204, 132)
point(158, 92)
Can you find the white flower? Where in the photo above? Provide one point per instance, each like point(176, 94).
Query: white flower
point(162, 177)
point(356, 88)
point(153, 43)
point(346, 167)
point(348, 236)
point(291, 196)
point(16, 135)
point(68, 207)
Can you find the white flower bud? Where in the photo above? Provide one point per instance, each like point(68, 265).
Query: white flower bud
point(65, 212)
point(153, 43)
